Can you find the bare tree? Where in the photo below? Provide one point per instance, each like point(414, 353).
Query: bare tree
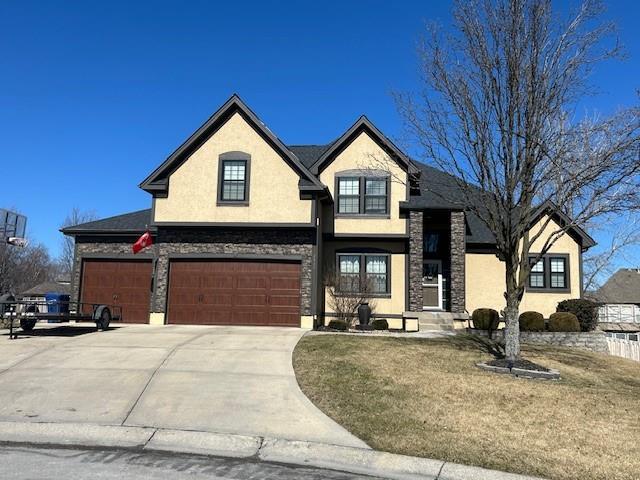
point(624, 233)
point(498, 110)
point(23, 268)
point(76, 217)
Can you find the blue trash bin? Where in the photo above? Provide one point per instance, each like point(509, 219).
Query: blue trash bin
point(57, 303)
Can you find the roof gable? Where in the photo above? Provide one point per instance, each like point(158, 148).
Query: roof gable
point(158, 180)
point(362, 125)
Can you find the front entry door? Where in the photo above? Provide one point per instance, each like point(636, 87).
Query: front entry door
point(432, 285)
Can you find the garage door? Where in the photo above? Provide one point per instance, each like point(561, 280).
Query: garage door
point(123, 283)
point(224, 292)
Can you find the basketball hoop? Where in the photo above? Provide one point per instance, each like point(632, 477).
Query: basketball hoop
point(13, 227)
point(17, 241)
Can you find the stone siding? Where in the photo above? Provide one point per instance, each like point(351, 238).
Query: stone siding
point(457, 249)
point(416, 235)
point(592, 341)
point(232, 242)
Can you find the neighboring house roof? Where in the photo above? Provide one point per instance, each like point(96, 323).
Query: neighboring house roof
point(158, 180)
point(622, 327)
point(47, 287)
point(622, 287)
point(128, 223)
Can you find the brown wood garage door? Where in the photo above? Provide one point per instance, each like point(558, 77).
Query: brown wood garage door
point(222, 292)
point(119, 282)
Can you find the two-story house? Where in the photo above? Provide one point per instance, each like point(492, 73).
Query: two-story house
point(246, 231)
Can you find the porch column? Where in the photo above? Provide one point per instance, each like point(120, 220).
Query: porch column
point(457, 248)
point(415, 260)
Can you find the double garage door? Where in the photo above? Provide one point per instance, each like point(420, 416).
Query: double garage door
point(217, 292)
point(234, 293)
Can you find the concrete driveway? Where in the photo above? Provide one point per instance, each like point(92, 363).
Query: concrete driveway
point(216, 379)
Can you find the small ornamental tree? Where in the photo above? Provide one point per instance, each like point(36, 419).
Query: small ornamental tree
point(346, 295)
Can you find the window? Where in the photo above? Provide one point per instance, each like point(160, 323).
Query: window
point(431, 242)
point(536, 277)
point(358, 195)
point(558, 272)
point(550, 273)
point(363, 272)
point(375, 195)
point(349, 195)
point(233, 178)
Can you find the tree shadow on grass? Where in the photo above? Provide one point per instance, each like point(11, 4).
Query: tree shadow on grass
point(473, 343)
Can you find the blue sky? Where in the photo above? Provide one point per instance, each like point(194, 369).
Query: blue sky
point(94, 95)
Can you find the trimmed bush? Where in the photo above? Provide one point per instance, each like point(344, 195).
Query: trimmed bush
point(338, 325)
point(531, 322)
point(380, 324)
point(563, 322)
point(585, 310)
point(485, 319)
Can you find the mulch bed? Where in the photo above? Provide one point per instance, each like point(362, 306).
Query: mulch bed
point(522, 363)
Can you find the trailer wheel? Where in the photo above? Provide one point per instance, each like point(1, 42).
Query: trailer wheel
point(102, 317)
point(27, 324)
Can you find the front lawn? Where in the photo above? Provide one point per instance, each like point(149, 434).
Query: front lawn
point(425, 397)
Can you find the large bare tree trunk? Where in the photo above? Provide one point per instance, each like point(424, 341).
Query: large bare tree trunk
point(511, 316)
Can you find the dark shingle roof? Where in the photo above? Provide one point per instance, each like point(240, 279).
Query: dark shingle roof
point(308, 154)
point(47, 287)
point(622, 287)
point(133, 222)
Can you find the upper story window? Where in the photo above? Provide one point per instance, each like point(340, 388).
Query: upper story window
point(233, 183)
point(362, 195)
point(550, 273)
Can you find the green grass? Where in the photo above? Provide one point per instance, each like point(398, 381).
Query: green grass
point(425, 397)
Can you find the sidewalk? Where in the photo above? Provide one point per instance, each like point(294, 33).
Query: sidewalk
point(346, 459)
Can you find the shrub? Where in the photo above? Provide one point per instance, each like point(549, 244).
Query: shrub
point(485, 319)
point(585, 310)
point(563, 322)
point(531, 322)
point(380, 324)
point(338, 325)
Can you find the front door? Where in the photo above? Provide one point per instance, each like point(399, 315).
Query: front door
point(432, 285)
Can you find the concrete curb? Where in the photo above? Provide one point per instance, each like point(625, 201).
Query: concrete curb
point(347, 459)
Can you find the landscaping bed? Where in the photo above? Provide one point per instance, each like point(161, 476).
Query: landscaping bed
point(426, 397)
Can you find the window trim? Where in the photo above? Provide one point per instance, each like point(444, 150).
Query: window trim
point(234, 157)
point(362, 182)
point(363, 255)
point(546, 258)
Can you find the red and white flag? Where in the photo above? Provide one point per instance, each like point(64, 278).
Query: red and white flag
point(143, 242)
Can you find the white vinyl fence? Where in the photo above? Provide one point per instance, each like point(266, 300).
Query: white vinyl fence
point(624, 348)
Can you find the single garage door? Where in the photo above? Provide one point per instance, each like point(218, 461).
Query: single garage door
point(222, 292)
point(126, 283)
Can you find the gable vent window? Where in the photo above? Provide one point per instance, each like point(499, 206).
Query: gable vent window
point(233, 185)
point(362, 195)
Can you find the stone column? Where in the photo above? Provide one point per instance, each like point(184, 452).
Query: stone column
point(416, 235)
point(457, 248)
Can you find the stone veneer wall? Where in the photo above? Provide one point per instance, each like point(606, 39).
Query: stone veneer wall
point(592, 341)
point(234, 242)
point(416, 235)
point(291, 243)
point(457, 249)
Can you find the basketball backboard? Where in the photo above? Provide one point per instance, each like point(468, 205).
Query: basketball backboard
point(12, 224)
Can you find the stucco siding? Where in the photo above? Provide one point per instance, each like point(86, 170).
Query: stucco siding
point(393, 304)
point(273, 185)
point(364, 153)
point(485, 284)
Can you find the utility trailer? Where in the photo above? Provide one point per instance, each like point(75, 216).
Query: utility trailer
point(28, 313)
